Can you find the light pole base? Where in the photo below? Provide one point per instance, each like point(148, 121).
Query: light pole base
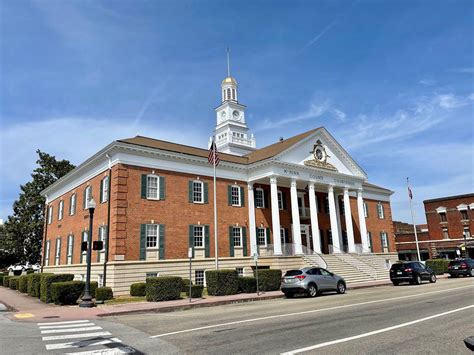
point(86, 304)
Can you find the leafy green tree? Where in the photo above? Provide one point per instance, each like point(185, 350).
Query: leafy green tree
point(23, 231)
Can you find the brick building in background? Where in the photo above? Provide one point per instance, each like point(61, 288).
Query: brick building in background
point(299, 196)
point(449, 219)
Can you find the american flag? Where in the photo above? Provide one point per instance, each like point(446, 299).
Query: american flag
point(213, 157)
point(410, 194)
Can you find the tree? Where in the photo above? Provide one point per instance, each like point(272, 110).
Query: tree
point(23, 231)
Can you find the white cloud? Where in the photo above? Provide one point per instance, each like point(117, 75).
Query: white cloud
point(467, 70)
point(427, 82)
point(339, 115)
point(316, 38)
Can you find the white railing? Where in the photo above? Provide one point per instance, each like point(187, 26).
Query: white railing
point(246, 141)
point(304, 211)
point(359, 265)
point(289, 249)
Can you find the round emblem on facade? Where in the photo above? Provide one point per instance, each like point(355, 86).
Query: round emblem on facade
point(236, 114)
point(319, 154)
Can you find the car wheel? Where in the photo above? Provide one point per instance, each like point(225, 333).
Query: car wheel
point(341, 287)
point(396, 283)
point(433, 278)
point(472, 273)
point(289, 294)
point(417, 280)
point(312, 290)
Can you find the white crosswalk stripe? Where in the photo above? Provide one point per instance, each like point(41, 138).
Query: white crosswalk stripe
point(83, 336)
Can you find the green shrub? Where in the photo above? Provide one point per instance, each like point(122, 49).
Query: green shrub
point(269, 279)
point(138, 289)
point(186, 283)
point(2, 275)
point(439, 266)
point(13, 282)
point(163, 288)
point(23, 284)
point(47, 280)
point(222, 282)
point(196, 291)
point(30, 272)
point(247, 285)
point(6, 281)
point(33, 282)
point(67, 292)
point(104, 294)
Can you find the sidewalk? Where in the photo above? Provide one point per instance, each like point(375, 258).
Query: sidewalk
point(25, 308)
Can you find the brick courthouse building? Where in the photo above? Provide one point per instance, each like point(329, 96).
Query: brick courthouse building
point(296, 196)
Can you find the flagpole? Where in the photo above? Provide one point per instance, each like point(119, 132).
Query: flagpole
point(215, 205)
point(413, 220)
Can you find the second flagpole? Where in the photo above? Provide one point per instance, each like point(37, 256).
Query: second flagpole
point(413, 220)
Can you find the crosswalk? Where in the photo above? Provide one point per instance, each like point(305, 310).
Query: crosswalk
point(81, 337)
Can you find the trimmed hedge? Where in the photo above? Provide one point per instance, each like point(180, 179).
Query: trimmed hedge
point(185, 287)
point(222, 282)
point(163, 288)
point(196, 291)
point(269, 279)
point(33, 284)
point(13, 282)
point(6, 281)
point(67, 292)
point(2, 275)
point(439, 266)
point(103, 294)
point(138, 289)
point(47, 280)
point(93, 287)
point(23, 284)
point(247, 285)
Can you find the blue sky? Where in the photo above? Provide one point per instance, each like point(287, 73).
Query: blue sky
point(392, 81)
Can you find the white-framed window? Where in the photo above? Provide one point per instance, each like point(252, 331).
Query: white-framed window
point(151, 274)
point(70, 245)
point(283, 235)
point(237, 236)
point(152, 236)
point(464, 215)
point(467, 232)
point(105, 189)
point(442, 216)
point(199, 277)
point(72, 205)
point(259, 198)
point(240, 271)
point(102, 235)
point(46, 252)
point(380, 211)
point(261, 236)
point(198, 191)
point(88, 196)
point(198, 236)
point(445, 233)
point(50, 214)
point(369, 240)
point(84, 253)
point(384, 236)
point(100, 280)
point(58, 251)
point(235, 195)
point(366, 210)
point(60, 210)
point(152, 187)
point(280, 200)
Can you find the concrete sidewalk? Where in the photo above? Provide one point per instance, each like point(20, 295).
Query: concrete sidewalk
point(25, 308)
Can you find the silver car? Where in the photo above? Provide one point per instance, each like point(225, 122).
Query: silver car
point(312, 281)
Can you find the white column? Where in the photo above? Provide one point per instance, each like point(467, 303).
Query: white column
point(362, 226)
point(313, 211)
point(295, 215)
point(252, 231)
point(275, 216)
point(333, 218)
point(348, 218)
point(339, 226)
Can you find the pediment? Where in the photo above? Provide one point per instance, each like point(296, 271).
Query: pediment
point(322, 152)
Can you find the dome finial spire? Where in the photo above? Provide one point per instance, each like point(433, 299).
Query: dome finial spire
point(228, 61)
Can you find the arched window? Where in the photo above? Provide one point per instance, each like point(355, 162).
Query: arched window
point(233, 94)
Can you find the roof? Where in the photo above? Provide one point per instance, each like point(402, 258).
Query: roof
point(368, 184)
point(449, 198)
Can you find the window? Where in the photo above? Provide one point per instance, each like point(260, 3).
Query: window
point(152, 187)
point(233, 94)
point(283, 235)
point(72, 205)
point(464, 215)
point(259, 198)
point(199, 277)
point(151, 274)
point(467, 232)
point(60, 210)
point(70, 246)
point(102, 236)
point(445, 233)
point(369, 240)
point(330, 237)
point(240, 271)
point(235, 195)
point(341, 207)
point(58, 251)
point(237, 236)
point(46, 253)
point(366, 210)
point(228, 94)
point(384, 237)
point(325, 272)
point(198, 195)
point(261, 236)
point(198, 236)
point(380, 211)
point(100, 280)
point(442, 216)
point(326, 205)
point(280, 200)
point(151, 236)
point(84, 253)
point(50, 214)
point(104, 188)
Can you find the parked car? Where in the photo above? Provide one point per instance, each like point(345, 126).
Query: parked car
point(463, 267)
point(413, 272)
point(312, 281)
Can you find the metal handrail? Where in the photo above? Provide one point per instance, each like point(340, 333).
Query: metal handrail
point(349, 259)
point(289, 249)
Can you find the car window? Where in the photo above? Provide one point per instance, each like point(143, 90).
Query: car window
point(314, 271)
point(325, 272)
point(293, 272)
point(421, 266)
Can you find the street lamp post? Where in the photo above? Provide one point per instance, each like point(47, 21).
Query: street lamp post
point(86, 301)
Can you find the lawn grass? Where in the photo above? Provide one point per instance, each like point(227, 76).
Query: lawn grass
point(125, 299)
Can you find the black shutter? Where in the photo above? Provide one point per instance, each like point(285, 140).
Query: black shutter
point(191, 237)
point(206, 192)
point(84, 203)
point(98, 235)
point(143, 242)
point(72, 249)
point(242, 196)
point(144, 185)
point(229, 195)
point(206, 241)
point(265, 199)
point(283, 200)
point(287, 236)
point(101, 197)
point(190, 191)
point(269, 241)
point(80, 249)
point(231, 241)
point(244, 240)
point(162, 188)
point(162, 241)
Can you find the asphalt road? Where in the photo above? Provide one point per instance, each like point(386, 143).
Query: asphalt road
point(383, 320)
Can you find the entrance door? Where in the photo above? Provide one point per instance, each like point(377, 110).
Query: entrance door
point(305, 237)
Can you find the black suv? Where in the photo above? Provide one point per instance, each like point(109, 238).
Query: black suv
point(463, 267)
point(413, 272)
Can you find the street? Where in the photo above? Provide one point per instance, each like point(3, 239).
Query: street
point(431, 318)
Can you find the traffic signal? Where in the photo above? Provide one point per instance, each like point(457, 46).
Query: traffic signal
point(97, 245)
point(84, 246)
